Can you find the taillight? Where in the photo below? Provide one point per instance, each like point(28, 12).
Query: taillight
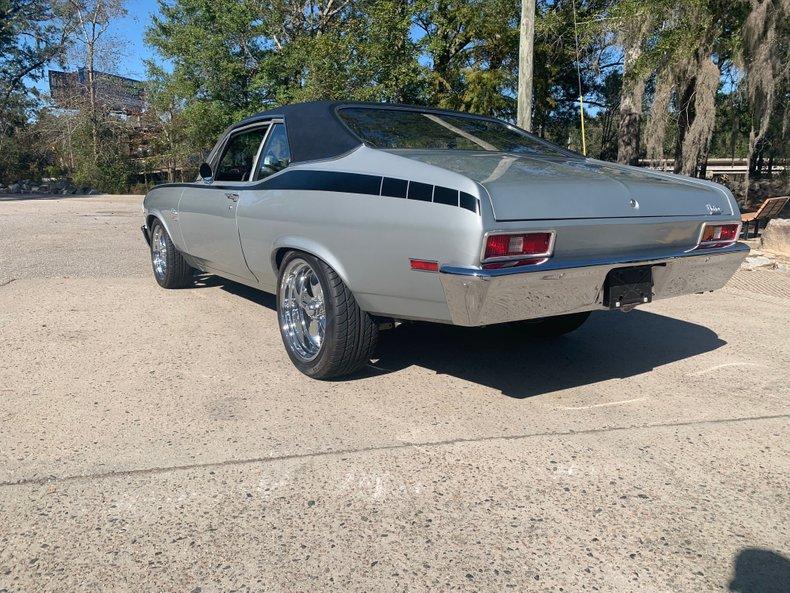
point(718, 235)
point(517, 249)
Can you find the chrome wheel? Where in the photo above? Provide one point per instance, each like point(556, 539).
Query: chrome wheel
point(159, 251)
point(302, 311)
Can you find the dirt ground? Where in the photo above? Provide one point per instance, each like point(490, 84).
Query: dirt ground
point(156, 440)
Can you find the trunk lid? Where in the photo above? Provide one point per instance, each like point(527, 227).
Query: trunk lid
point(551, 188)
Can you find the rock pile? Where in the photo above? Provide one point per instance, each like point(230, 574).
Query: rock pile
point(46, 186)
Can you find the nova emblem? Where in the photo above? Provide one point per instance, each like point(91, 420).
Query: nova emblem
point(713, 210)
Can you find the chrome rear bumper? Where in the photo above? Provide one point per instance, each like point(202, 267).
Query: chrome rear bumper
point(483, 297)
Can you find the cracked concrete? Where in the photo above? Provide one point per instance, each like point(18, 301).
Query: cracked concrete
point(161, 441)
point(336, 452)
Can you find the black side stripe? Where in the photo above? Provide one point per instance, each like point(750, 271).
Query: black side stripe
point(354, 183)
point(358, 183)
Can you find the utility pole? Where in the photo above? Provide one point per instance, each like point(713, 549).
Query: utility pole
point(526, 44)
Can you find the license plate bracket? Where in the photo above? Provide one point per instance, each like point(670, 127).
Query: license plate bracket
point(628, 287)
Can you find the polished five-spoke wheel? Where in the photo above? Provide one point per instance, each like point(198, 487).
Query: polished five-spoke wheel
point(159, 251)
point(170, 268)
point(302, 310)
point(325, 332)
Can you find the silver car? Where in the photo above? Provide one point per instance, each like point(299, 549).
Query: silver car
point(356, 215)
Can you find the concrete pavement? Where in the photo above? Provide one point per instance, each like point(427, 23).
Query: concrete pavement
point(157, 440)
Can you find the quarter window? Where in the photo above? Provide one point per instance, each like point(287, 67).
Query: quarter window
point(239, 155)
point(276, 154)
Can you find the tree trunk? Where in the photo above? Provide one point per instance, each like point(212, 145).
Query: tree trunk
point(633, 92)
point(685, 117)
point(525, 59)
point(656, 126)
point(702, 164)
point(70, 144)
point(734, 124)
point(89, 69)
point(702, 117)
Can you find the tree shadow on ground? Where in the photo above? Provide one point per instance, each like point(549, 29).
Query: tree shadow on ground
point(611, 345)
point(760, 571)
point(26, 197)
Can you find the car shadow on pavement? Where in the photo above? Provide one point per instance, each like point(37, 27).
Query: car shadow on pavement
point(610, 345)
point(251, 294)
point(760, 571)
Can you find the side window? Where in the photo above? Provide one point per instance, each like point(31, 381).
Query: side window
point(276, 154)
point(239, 155)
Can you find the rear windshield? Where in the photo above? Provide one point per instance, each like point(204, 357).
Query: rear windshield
point(407, 129)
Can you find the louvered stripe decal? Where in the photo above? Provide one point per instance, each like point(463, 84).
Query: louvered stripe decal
point(357, 183)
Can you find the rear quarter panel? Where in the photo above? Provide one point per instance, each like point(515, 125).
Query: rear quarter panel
point(367, 239)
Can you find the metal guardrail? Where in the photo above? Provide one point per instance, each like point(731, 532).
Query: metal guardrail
point(714, 167)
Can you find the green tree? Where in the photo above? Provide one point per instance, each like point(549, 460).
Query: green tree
point(93, 20)
point(169, 147)
point(559, 70)
point(687, 53)
point(471, 51)
point(216, 48)
point(32, 35)
point(765, 54)
point(231, 59)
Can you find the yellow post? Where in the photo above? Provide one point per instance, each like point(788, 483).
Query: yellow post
point(581, 115)
point(579, 76)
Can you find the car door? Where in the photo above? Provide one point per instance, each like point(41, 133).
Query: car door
point(256, 228)
point(207, 210)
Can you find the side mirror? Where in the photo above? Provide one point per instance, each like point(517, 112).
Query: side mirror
point(205, 172)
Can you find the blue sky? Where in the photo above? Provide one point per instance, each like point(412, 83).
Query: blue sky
point(132, 29)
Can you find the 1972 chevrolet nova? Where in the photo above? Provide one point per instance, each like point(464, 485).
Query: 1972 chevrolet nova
point(355, 214)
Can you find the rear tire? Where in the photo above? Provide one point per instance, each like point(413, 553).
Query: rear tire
point(170, 268)
point(554, 327)
point(324, 331)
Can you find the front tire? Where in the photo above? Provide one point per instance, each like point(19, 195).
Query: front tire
point(323, 329)
point(170, 268)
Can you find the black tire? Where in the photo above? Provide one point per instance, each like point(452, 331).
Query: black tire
point(176, 273)
point(554, 327)
point(350, 334)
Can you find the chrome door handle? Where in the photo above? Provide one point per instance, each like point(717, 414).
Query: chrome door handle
point(232, 197)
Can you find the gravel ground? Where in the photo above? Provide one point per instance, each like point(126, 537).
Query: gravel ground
point(157, 440)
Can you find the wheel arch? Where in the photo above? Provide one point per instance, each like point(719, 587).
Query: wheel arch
point(311, 247)
point(152, 216)
point(149, 221)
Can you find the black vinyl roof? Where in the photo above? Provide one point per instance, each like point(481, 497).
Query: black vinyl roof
point(316, 132)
